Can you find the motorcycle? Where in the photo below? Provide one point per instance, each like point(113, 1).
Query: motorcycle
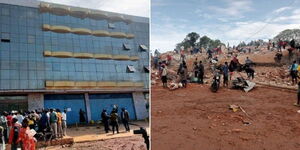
point(215, 83)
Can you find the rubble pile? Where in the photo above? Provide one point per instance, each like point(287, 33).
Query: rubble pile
point(272, 73)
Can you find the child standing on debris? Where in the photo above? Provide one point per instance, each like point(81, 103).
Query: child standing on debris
point(164, 76)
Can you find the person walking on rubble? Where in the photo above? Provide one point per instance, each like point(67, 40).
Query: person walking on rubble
point(248, 61)
point(200, 73)
point(182, 55)
point(195, 66)
point(278, 57)
point(294, 72)
point(225, 71)
point(298, 96)
point(183, 76)
point(209, 52)
point(164, 74)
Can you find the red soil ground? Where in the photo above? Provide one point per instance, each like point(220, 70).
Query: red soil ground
point(195, 118)
point(122, 143)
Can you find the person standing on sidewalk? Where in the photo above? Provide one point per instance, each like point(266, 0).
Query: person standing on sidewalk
point(14, 134)
point(82, 116)
point(53, 123)
point(25, 138)
point(114, 121)
point(3, 123)
point(9, 118)
point(64, 122)
point(59, 124)
point(105, 119)
point(125, 119)
point(2, 140)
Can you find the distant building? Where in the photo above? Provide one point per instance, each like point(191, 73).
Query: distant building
point(58, 56)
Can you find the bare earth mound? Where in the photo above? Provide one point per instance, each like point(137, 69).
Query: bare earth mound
point(195, 118)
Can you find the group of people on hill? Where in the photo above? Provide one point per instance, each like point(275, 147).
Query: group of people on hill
point(19, 128)
point(113, 119)
point(226, 69)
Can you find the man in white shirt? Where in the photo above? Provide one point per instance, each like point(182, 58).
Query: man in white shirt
point(64, 122)
point(20, 117)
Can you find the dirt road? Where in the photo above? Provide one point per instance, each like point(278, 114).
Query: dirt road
point(124, 143)
point(195, 118)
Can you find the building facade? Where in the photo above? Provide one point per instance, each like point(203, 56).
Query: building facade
point(58, 56)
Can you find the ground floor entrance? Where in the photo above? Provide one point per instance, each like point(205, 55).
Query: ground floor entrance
point(17, 103)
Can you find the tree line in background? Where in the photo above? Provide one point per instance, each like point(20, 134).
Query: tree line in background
point(194, 40)
point(285, 35)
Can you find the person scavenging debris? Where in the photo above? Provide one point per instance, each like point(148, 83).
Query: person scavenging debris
point(294, 72)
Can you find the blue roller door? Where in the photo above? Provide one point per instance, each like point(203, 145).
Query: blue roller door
point(62, 101)
point(98, 102)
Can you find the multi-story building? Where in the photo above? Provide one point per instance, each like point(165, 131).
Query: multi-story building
point(65, 57)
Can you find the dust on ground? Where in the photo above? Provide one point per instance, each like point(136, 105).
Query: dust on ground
point(196, 118)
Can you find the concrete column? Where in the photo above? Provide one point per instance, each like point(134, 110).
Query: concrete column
point(87, 106)
point(140, 105)
point(35, 101)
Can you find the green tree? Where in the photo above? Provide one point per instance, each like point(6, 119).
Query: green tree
point(192, 38)
point(215, 43)
point(204, 42)
point(189, 41)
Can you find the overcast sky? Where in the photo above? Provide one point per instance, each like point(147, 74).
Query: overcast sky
point(130, 7)
point(228, 20)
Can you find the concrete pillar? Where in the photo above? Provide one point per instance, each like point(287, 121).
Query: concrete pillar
point(87, 106)
point(35, 101)
point(140, 105)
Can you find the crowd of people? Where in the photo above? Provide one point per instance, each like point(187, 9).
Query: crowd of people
point(19, 128)
point(226, 69)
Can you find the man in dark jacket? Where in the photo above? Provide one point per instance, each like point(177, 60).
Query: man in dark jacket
point(125, 118)
point(225, 71)
point(200, 73)
point(105, 119)
point(114, 121)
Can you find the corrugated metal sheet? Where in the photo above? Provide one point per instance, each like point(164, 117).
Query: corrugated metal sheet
point(98, 102)
point(63, 101)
